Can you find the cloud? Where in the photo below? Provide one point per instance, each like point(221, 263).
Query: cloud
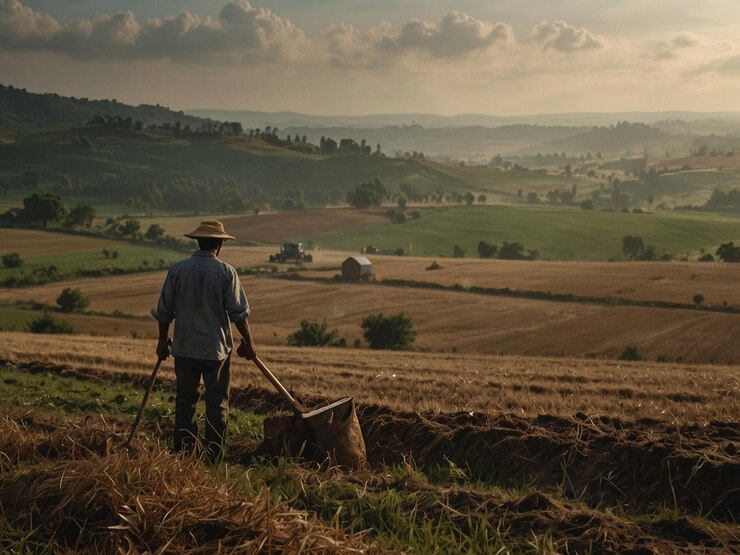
point(241, 32)
point(558, 35)
point(457, 34)
point(22, 26)
point(669, 49)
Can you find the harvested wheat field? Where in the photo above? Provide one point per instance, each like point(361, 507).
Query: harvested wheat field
point(670, 282)
point(444, 320)
point(675, 393)
point(655, 470)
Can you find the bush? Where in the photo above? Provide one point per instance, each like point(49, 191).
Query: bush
point(72, 300)
point(698, 299)
point(315, 334)
point(12, 260)
point(458, 252)
point(48, 324)
point(630, 353)
point(389, 332)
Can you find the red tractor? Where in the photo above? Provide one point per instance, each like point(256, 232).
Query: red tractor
point(291, 252)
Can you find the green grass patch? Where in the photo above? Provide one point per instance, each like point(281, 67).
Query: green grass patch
point(16, 319)
point(50, 392)
point(130, 257)
point(557, 233)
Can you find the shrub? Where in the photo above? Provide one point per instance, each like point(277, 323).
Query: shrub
point(630, 353)
point(47, 323)
point(698, 299)
point(389, 332)
point(12, 260)
point(315, 334)
point(72, 300)
point(706, 258)
point(458, 252)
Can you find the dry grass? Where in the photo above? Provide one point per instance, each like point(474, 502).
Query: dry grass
point(111, 499)
point(677, 393)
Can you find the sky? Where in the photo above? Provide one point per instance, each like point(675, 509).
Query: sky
point(499, 57)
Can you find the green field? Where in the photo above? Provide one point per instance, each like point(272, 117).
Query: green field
point(130, 257)
point(557, 233)
point(16, 319)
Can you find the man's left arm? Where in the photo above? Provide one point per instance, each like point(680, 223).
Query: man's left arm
point(237, 309)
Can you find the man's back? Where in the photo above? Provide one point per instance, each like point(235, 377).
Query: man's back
point(202, 293)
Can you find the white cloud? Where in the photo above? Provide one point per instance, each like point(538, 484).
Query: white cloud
point(457, 34)
point(558, 35)
point(241, 32)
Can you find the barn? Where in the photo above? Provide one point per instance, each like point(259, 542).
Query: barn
point(356, 268)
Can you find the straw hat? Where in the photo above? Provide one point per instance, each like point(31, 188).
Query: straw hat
point(209, 229)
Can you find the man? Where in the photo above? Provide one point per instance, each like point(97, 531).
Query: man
point(203, 294)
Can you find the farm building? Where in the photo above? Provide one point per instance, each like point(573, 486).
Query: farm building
point(356, 268)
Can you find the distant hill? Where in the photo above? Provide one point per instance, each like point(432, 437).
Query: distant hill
point(624, 135)
point(250, 118)
point(470, 143)
point(20, 108)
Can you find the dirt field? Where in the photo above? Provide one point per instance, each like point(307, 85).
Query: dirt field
point(671, 393)
point(287, 226)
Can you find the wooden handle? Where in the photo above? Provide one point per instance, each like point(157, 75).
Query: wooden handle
point(143, 402)
point(274, 381)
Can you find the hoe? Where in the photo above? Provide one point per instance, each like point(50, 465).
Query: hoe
point(328, 432)
point(331, 431)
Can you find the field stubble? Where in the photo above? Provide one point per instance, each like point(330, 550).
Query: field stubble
point(427, 382)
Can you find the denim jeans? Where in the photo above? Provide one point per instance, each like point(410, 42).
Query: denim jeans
point(216, 377)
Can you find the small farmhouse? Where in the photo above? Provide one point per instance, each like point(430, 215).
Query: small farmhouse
point(356, 268)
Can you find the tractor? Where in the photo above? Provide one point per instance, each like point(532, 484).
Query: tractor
point(291, 252)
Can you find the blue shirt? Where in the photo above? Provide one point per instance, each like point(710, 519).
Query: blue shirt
point(202, 294)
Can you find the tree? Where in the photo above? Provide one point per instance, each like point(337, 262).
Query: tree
point(72, 300)
point(389, 332)
point(511, 251)
point(469, 198)
point(533, 198)
point(368, 194)
point(487, 250)
point(46, 323)
point(728, 252)
point(129, 227)
point(630, 353)
point(43, 208)
point(632, 246)
point(587, 204)
point(402, 201)
point(482, 199)
point(315, 334)
point(12, 260)
point(458, 252)
point(80, 216)
point(154, 233)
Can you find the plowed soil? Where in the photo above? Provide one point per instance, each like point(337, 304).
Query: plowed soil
point(287, 226)
point(641, 465)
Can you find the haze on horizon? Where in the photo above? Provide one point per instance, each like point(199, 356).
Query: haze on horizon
point(504, 57)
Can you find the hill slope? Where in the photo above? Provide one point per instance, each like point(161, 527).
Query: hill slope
point(20, 108)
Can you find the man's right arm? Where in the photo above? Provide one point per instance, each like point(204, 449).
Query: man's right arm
point(165, 313)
